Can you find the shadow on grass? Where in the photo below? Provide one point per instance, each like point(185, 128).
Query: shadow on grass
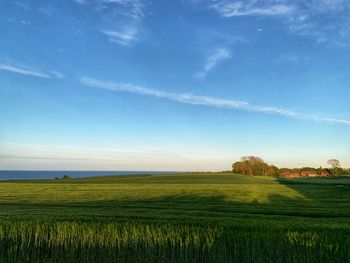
point(254, 198)
point(191, 207)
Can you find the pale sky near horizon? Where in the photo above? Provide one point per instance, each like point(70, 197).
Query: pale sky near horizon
point(173, 85)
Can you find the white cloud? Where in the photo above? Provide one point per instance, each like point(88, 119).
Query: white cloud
point(119, 20)
point(56, 74)
point(237, 8)
point(205, 101)
point(324, 20)
point(125, 37)
point(219, 55)
point(336, 121)
point(23, 71)
point(30, 72)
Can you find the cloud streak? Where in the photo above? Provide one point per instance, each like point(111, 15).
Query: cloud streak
point(125, 37)
point(29, 156)
point(231, 9)
point(218, 56)
point(205, 100)
point(30, 72)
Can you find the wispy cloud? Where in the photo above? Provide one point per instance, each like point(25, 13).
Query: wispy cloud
point(219, 55)
point(125, 37)
point(237, 8)
point(32, 156)
point(327, 21)
point(205, 100)
point(335, 121)
point(119, 20)
point(66, 152)
point(30, 72)
point(323, 20)
point(56, 74)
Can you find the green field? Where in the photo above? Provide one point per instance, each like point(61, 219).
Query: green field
point(199, 217)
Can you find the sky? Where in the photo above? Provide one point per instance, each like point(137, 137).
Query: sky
point(188, 85)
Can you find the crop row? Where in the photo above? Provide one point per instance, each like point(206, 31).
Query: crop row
point(100, 241)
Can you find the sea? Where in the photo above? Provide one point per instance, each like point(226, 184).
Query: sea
point(26, 174)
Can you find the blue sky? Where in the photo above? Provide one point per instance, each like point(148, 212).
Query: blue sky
point(173, 85)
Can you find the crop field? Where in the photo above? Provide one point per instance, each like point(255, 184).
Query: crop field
point(196, 217)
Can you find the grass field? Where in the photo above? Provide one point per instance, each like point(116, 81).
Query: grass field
point(199, 217)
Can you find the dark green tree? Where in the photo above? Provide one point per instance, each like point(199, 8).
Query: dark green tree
point(254, 165)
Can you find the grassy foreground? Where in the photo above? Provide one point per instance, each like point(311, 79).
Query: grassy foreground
point(201, 217)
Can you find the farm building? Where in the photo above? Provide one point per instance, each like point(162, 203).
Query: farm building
point(304, 174)
point(308, 173)
point(324, 173)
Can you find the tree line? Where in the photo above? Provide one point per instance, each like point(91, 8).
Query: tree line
point(254, 165)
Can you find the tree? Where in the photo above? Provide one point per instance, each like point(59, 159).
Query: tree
point(274, 171)
point(254, 165)
point(334, 163)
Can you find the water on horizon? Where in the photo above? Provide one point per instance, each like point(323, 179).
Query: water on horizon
point(27, 174)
